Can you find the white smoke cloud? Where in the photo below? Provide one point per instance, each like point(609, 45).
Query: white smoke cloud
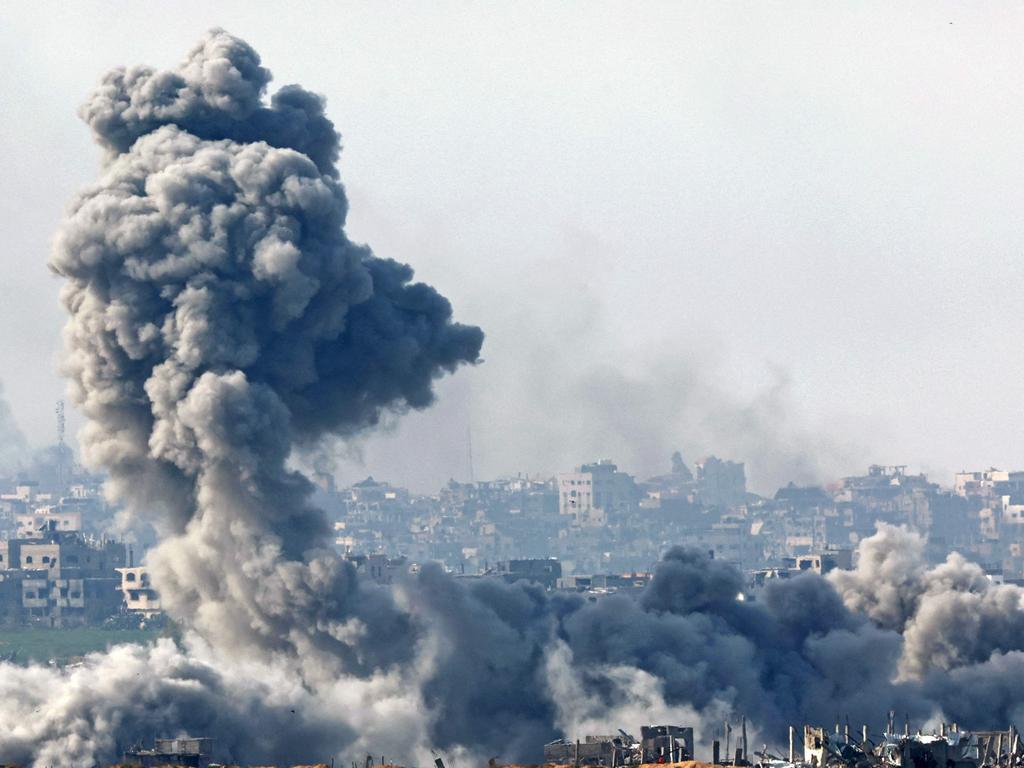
point(950, 615)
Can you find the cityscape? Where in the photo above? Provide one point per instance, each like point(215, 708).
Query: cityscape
point(691, 275)
point(595, 530)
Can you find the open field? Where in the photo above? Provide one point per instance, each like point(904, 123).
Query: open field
point(42, 644)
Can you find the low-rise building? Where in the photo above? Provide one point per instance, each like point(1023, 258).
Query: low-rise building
point(183, 751)
point(59, 579)
point(137, 592)
point(543, 571)
point(35, 524)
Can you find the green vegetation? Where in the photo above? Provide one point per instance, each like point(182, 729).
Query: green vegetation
point(43, 644)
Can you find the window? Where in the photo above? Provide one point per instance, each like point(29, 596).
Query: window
point(75, 595)
point(46, 558)
point(28, 559)
point(30, 595)
point(129, 577)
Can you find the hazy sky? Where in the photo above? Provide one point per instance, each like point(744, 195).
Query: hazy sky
point(787, 233)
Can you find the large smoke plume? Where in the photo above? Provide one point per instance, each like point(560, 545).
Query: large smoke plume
point(219, 316)
point(219, 320)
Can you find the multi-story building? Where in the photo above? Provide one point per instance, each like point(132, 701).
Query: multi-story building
point(721, 483)
point(60, 578)
point(595, 492)
point(544, 571)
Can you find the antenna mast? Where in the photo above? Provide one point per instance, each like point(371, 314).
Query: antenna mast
point(61, 446)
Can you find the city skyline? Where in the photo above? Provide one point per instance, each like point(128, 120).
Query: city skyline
point(717, 259)
point(707, 305)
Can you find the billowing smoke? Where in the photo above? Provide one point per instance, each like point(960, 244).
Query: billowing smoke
point(220, 316)
point(219, 320)
point(950, 615)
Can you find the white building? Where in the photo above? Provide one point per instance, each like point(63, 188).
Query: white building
point(595, 491)
point(139, 595)
point(1012, 510)
point(50, 518)
point(985, 483)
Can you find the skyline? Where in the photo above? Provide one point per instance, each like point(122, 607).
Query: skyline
point(807, 279)
point(630, 241)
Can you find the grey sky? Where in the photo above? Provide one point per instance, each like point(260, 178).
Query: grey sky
point(783, 232)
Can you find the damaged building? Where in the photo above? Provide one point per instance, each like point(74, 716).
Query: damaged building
point(949, 747)
point(657, 744)
point(182, 751)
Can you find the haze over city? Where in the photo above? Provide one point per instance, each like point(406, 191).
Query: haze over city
point(576, 386)
point(781, 233)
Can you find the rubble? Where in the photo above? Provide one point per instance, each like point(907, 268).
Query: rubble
point(666, 745)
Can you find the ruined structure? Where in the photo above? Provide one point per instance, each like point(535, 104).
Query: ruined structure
point(182, 751)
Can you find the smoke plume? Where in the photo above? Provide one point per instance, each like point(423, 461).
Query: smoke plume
point(220, 319)
point(220, 316)
point(950, 615)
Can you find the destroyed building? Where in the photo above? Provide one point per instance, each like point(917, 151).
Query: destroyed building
point(666, 743)
point(657, 744)
point(137, 591)
point(592, 750)
point(949, 747)
point(182, 751)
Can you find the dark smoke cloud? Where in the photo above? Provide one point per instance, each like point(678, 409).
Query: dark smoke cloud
point(688, 648)
point(220, 319)
point(220, 316)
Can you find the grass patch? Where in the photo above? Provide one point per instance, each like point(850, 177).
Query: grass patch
point(39, 644)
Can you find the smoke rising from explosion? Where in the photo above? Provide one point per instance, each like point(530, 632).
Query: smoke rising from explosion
point(219, 316)
point(219, 320)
